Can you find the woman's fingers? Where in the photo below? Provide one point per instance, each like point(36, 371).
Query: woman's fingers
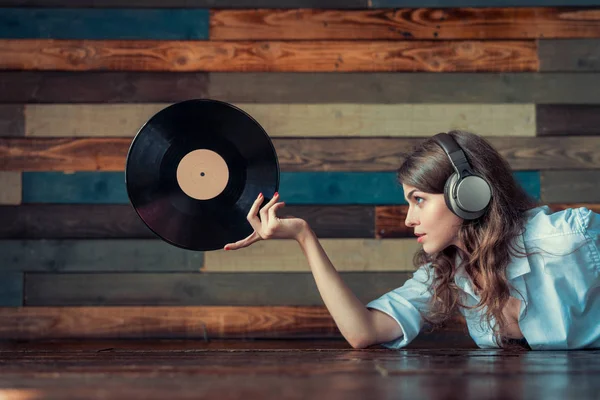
point(273, 212)
point(254, 237)
point(264, 212)
point(252, 214)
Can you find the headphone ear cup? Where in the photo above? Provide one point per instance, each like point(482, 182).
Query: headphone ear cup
point(448, 189)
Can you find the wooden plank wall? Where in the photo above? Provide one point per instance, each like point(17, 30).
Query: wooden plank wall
point(344, 88)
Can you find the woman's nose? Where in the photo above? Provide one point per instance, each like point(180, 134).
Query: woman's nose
point(410, 220)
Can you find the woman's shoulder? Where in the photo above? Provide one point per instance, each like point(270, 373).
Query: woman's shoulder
point(543, 221)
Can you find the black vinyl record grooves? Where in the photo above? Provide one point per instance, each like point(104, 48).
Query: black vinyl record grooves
point(194, 170)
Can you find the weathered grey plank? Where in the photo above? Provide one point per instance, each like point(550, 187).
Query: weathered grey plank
point(577, 55)
point(12, 118)
point(576, 186)
point(112, 255)
point(568, 119)
point(11, 288)
point(216, 289)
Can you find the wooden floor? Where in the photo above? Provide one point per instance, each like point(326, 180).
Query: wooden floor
point(290, 369)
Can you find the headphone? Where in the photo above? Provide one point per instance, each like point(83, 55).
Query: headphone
point(467, 194)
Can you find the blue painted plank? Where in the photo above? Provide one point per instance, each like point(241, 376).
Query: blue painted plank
point(11, 289)
point(481, 3)
point(334, 188)
point(124, 24)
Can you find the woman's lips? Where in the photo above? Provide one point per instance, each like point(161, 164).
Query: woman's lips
point(420, 239)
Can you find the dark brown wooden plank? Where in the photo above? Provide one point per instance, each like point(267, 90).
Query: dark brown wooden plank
point(405, 23)
point(578, 186)
point(120, 221)
point(100, 87)
point(300, 154)
point(188, 3)
point(390, 220)
point(105, 255)
point(578, 55)
point(298, 56)
point(290, 87)
point(186, 289)
point(12, 119)
point(564, 119)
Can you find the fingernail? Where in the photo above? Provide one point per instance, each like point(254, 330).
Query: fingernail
point(260, 195)
point(226, 248)
point(276, 194)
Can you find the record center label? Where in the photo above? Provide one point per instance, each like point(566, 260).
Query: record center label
point(202, 174)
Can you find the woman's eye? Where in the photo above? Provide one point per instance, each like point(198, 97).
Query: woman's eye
point(417, 198)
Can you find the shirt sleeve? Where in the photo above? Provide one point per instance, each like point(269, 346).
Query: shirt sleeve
point(405, 304)
point(591, 225)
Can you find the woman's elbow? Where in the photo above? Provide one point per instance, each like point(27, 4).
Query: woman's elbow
point(360, 342)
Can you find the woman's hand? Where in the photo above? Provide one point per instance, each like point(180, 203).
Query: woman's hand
point(269, 226)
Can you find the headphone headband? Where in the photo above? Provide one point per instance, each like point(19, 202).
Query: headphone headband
point(455, 153)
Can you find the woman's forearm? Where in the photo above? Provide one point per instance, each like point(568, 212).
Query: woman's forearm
point(352, 318)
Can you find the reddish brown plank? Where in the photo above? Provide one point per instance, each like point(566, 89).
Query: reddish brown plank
point(405, 23)
point(296, 56)
point(305, 154)
point(390, 220)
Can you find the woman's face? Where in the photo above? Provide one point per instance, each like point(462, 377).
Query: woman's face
point(429, 215)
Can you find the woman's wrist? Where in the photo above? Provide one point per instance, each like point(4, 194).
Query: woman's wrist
point(304, 234)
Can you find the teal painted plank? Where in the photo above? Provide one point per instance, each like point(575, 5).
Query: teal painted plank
point(11, 289)
point(318, 188)
point(481, 3)
point(124, 24)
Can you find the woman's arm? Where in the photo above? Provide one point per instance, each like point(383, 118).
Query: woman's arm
point(360, 326)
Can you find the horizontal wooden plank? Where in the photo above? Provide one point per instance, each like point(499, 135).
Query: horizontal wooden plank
point(34, 323)
point(269, 56)
point(104, 255)
point(578, 186)
point(119, 221)
point(187, 289)
point(301, 154)
point(306, 120)
point(480, 3)
point(310, 188)
point(12, 119)
point(189, 3)
point(390, 220)
point(577, 55)
point(101, 87)
point(11, 289)
point(319, 87)
point(408, 23)
point(150, 255)
point(345, 254)
point(567, 119)
point(114, 24)
point(11, 193)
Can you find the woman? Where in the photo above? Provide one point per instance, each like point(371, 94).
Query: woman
point(515, 270)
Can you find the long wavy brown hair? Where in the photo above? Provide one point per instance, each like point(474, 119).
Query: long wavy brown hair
point(488, 240)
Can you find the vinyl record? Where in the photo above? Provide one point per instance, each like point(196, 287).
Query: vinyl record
point(194, 170)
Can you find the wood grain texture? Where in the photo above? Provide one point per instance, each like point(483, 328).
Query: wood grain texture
point(104, 255)
point(576, 186)
point(302, 154)
point(405, 23)
point(296, 188)
point(11, 193)
point(577, 55)
point(305, 120)
point(119, 221)
point(271, 56)
point(368, 255)
point(12, 119)
point(189, 3)
point(571, 120)
point(11, 289)
point(291, 87)
point(152, 255)
point(101, 87)
point(187, 289)
point(113, 24)
point(479, 3)
point(390, 220)
point(29, 323)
